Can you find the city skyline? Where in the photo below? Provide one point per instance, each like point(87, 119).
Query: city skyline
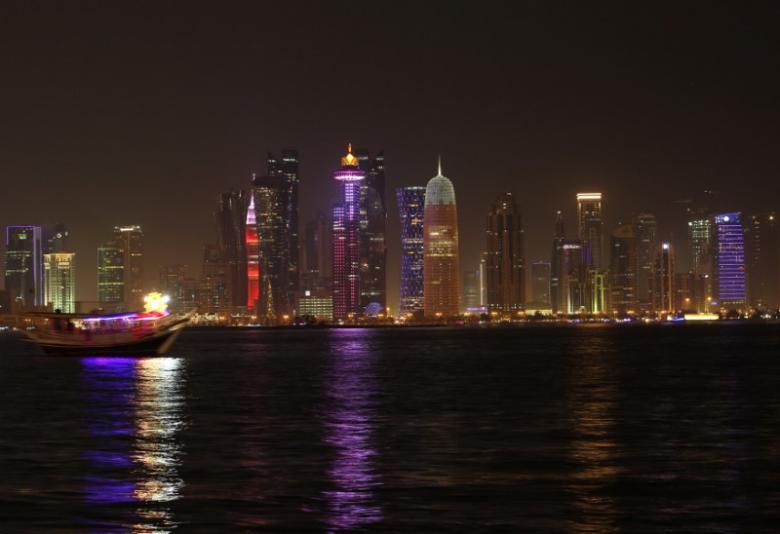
point(647, 123)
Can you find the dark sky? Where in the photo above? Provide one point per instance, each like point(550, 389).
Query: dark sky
point(118, 113)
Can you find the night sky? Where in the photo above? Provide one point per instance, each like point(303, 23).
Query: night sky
point(143, 113)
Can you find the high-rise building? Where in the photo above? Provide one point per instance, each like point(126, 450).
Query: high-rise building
point(111, 275)
point(24, 265)
point(729, 265)
point(663, 285)
point(764, 261)
point(252, 245)
point(471, 296)
point(591, 227)
point(373, 223)
point(540, 283)
point(411, 210)
point(596, 291)
point(213, 290)
point(60, 281)
point(573, 282)
point(441, 286)
point(269, 195)
point(557, 296)
point(5, 302)
point(699, 236)
point(230, 217)
point(131, 240)
point(317, 261)
point(504, 255)
point(346, 239)
point(287, 171)
point(173, 282)
point(623, 269)
point(55, 239)
point(646, 246)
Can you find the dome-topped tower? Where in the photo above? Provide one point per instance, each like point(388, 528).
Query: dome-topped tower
point(440, 243)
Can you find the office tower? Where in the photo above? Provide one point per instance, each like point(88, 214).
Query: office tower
point(729, 260)
point(623, 269)
point(683, 292)
point(483, 281)
point(591, 227)
point(274, 293)
point(504, 255)
point(111, 275)
point(596, 291)
point(317, 250)
point(252, 245)
point(230, 218)
point(663, 285)
point(60, 281)
point(24, 265)
point(213, 290)
point(441, 270)
point(764, 261)
point(131, 240)
point(173, 282)
point(699, 236)
point(540, 283)
point(411, 209)
point(320, 307)
point(287, 171)
point(373, 223)
point(573, 283)
point(55, 239)
point(647, 246)
point(471, 288)
point(557, 298)
point(346, 239)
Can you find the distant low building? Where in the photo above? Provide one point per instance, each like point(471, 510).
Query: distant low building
point(319, 306)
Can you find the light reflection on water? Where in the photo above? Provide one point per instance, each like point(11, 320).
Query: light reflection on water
point(134, 416)
point(350, 422)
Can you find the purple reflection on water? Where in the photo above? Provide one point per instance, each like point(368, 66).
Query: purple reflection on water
point(349, 424)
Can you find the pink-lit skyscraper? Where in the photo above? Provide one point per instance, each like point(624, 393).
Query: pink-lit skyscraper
point(346, 239)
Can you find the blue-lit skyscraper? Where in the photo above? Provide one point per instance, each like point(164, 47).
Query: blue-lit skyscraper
point(729, 269)
point(24, 265)
point(346, 239)
point(411, 207)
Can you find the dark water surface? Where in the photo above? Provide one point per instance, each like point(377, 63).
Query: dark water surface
point(556, 429)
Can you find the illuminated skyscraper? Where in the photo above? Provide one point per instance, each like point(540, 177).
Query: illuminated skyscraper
point(557, 294)
point(131, 240)
point(591, 227)
point(111, 275)
point(471, 289)
point(373, 223)
point(504, 255)
point(663, 285)
point(269, 193)
point(411, 209)
point(764, 261)
point(647, 247)
point(729, 265)
point(540, 283)
point(441, 269)
point(623, 269)
point(346, 239)
point(230, 217)
point(289, 242)
point(573, 282)
point(699, 236)
point(24, 265)
point(252, 245)
point(60, 281)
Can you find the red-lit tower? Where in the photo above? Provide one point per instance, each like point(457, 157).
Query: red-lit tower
point(252, 257)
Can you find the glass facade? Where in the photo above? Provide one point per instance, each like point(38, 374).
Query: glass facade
point(24, 265)
point(411, 208)
point(729, 272)
point(60, 281)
